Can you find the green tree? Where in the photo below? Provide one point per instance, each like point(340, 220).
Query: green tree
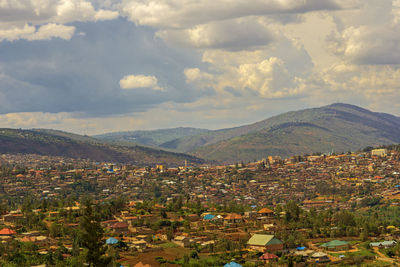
point(292, 211)
point(92, 238)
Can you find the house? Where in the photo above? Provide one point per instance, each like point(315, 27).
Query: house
point(379, 152)
point(7, 231)
point(336, 245)
point(269, 227)
point(111, 241)
point(208, 217)
point(14, 218)
point(29, 239)
point(140, 264)
point(140, 244)
point(130, 219)
point(233, 218)
point(263, 243)
point(120, 227)
point(268, 257)
point(265, 212)
point(108, 223)
point(320, 257)
point(182, 241)
point(232, 264)
point(384, 244)
point(250, 215)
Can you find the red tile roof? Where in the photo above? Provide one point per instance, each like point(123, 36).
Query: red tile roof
point(233, 216)
point(265, 210)
point(7, 231)
point(119, 225)
point(268, 256)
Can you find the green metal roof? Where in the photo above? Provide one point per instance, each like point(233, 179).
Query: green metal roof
point(334, 243)
point(263, 240)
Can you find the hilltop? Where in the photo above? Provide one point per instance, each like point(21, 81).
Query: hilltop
point(58, 143)
point(338, 127)
point(150, 137)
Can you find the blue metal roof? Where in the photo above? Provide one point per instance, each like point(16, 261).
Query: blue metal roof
point(232, 264)
point(111, 241)
point(208, 217)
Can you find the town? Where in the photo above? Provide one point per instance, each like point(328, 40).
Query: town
point(310, 210)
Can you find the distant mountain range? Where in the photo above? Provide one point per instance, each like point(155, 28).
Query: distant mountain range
point(58, 143)
point(149, 138)
point(337, 127)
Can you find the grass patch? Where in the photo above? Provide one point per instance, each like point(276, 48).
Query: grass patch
point(377, 263)
point(168, 245)
point(360, 252)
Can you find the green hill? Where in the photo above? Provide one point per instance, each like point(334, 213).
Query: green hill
point(337, 127)
point(149, 138)
point(58, 143)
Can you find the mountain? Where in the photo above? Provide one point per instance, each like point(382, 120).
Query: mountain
point(149, 138)
point(337, 127)
point(58, 143)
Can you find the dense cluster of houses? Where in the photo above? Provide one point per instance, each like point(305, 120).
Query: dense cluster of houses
point(258, 186)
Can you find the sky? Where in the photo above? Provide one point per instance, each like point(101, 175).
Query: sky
point(97, 66)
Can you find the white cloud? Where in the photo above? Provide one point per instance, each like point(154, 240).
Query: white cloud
point(19, 19)
point(187, 13)
point(367, 35)
point(53, 30)
point(368, 45)
point(195, 75)
point(236, 34)
point(270, 78)
point(44, 32)
point(139, 81)
point(106, 15)
point(16, 33)
point(81, 10)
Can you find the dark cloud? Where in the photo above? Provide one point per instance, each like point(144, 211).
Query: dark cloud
point(230, 35)
point(82, 75)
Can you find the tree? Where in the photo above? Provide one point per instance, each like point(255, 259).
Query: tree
point(92, 238)
point(292, 211)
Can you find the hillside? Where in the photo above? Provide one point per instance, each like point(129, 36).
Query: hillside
point(337, 127)
point(58, 143)
point(149, 138)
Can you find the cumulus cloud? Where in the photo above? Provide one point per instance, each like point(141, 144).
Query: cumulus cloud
point(81, 10)
point(196, 75)
point(19, 19)
point(368, 35)
point(187, 13)
point(270, 78)
point(230, 25)
point(105, 15)
point(237, 34)
point(368, 45)
point(44, 32)
point(139, 81)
